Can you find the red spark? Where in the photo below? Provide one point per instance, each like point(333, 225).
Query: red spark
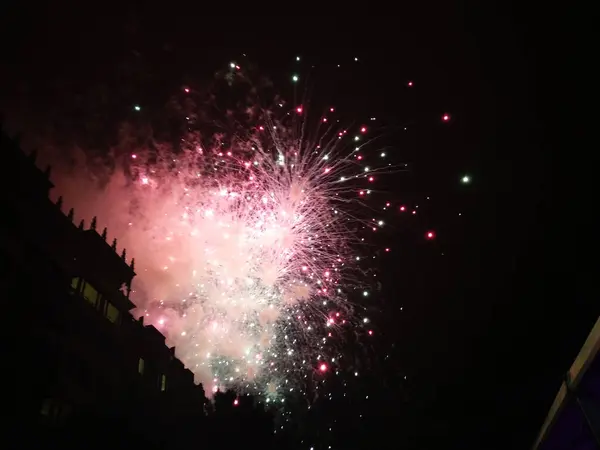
point(323, 367)
point(363, 130)
point(446, 117)
point(430, 235)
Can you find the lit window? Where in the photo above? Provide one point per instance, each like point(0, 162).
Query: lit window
point(112, 313)
point(46, 407)
point(141, 366)
point(90, 293)
point(163, 383)
point(75, 283)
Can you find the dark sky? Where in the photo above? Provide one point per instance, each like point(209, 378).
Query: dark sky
point(491, 326)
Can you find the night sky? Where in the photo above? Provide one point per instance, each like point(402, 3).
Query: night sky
point(478, 324)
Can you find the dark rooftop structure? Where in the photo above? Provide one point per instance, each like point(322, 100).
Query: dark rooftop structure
point(573, 422)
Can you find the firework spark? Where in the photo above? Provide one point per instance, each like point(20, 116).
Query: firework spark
point(244, 230)
point(243, 252)
point(248, 254)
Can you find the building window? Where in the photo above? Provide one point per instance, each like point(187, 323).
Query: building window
point(112, 313)
point(75, 284)
point(90, 293)
point(46, 408)
point(141, 366)
point(163, 383)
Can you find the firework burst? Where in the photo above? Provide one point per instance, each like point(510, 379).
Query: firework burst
point(250, 255)
point(244, 242)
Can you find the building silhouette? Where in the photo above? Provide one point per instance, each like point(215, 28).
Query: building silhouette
point(82, 372)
